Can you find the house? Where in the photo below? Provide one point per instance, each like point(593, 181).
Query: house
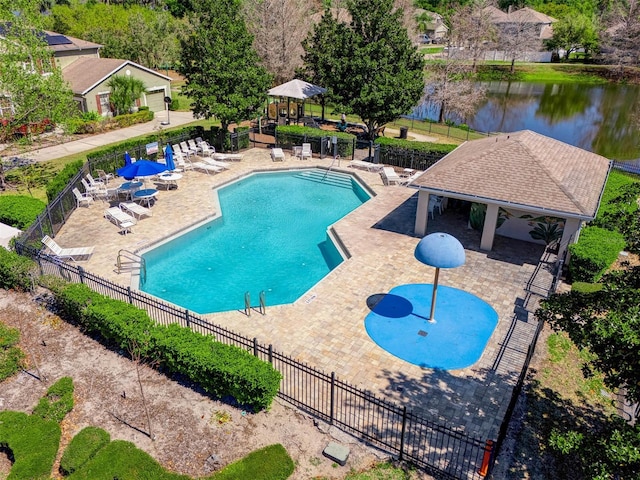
point(87, 74)
point(524, 16)
point(432, 24)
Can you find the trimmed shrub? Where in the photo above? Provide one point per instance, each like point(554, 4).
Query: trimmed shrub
point(20, 211)
point(221, 369)
point(141, 116)
point(388, 143)
point(11, 357)
point(60, 181)
point(269, 463)
point(594, 253)
point(57, 402)
point(82, 448)
point(16, 271)
point(34, 443)
point(289, 135)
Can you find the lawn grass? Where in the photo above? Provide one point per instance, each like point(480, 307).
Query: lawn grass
point(431, 50)
point(543, 72)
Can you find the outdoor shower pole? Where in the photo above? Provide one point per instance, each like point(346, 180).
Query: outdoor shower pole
point(433, 296)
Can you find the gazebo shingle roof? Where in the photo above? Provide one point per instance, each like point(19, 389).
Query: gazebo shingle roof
point(525, 169)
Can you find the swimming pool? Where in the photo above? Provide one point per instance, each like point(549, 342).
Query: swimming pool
point(271, 237)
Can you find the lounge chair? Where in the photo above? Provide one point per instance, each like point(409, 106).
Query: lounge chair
point(205, 148)
point(88, 188)
point(66, 253)
point(186, 149)
point(123, 220)
point(371, 167)
point(217, 163)
point(226, 156)
point(306, 151)
point(178, 152)
point(135, 209)
point(390, 177)
point(205, 167)
point(104, 176)
point(82, 198)
point(93, 182)
point(277, 155)
point(409, 180)
point(194, 147)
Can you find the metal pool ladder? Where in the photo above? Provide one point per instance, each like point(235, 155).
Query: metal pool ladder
point(130, 262)
point(247, 303)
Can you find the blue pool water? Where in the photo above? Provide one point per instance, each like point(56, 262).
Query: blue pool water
point(399, 324)
point(272, 237)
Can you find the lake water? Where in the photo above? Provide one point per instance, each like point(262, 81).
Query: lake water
point(597, 118)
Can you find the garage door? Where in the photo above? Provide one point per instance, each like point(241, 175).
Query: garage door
point(155, 101)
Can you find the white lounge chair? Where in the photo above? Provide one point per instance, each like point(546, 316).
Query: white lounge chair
point(409, 180)
point(82, 198)
point(187, 149)
point(371, 167)
point(226, 156)
point(277, 155)
point(66, 253)
point(217, 163)
point(390, 177)
point(88, 188)
point(135, 209)
point(123, 220)
point(194, 147)
point(93, 182)
point(205, 167)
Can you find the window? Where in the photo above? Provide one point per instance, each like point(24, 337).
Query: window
point(104, 106)
point(6, 107)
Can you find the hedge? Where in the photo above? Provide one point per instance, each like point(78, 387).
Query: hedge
point(387, 143)
point(597, 249)
point(20, 211)
point(222, 370)
point(16, 272)
point(61, 180)
point(34, 443)
point(57, 402)
point(82, 448)
point(290, 135)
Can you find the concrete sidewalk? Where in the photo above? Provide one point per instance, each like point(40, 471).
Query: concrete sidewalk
point(95, 141)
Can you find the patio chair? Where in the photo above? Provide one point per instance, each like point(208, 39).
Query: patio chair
point(93, 182)
point(186, 149)
point(205, 148)
point(178, 152)
point(306, 151)
point(82, 198)
point(277, 155)
point(193, 146)
point(435, 202)
point(390, 177)
point(88, 188)
point(122, 220)
point(104, 176)
point(66, 253)
point(135, 209)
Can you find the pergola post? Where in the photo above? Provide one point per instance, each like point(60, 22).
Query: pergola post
point(422, 214)
point(489, 230)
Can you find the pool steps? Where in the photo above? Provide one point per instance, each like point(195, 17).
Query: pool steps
point(332, 178)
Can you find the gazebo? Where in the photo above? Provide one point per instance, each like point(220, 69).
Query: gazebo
point(522, 178)
point(299, 90)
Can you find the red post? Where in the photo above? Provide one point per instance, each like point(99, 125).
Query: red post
point(486, 459)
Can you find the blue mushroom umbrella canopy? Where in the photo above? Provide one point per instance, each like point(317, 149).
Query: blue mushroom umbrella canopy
point(141, 168)
point(440, 250)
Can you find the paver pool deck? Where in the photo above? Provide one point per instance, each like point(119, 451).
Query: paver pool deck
point(325, 327)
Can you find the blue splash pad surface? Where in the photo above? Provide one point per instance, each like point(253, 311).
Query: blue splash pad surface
point(464, 323)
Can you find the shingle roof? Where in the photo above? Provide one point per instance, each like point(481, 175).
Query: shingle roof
point(85, 73)
point(62, 43)
point(529, 15)
point(525, 169)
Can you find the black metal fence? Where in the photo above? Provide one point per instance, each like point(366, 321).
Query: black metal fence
point(437, 448)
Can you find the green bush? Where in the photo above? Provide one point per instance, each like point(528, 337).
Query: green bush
point(289, 135)
point(221, 369)
point(141, 116)
point(440, 149)
point(82, 448)
point(57, 402)
point(16, 271)
point(60, 181)
point(175, 104)
point(34, 443)
point(20, 211)
point(269, 463)
point(594, 253)
point(11, 357)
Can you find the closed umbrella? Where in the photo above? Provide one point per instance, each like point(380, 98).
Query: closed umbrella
point(141, 168)
point(127, 159)
point(168, 158)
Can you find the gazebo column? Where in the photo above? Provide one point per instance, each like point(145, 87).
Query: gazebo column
point(489, 230)
point(422, 214)
point(570, 233)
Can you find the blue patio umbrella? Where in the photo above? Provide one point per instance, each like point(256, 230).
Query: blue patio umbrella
point(127, 159)
point(141, 168)
point(168, 158)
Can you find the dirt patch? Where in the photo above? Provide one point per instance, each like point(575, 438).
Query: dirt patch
point(193, 434)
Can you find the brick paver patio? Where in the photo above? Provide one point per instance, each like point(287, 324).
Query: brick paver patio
point(325, 327)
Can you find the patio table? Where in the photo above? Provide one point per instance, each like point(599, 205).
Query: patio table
point(145, 196)
point(128, 188)
point(168, 180)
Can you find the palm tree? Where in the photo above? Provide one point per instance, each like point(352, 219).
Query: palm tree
point(125, 90)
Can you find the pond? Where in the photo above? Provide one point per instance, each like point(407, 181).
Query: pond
point(597, 118)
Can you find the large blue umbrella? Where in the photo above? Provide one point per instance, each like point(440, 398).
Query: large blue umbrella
point(141, 168)
point(127, 159)
point(168, 158)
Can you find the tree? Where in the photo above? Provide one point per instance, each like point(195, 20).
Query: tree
point(572, 33)
point(224, 78)
point(369, 67)
point(278, 26)
point(125, 90)
point(473, 29)
point(33, 90)
point(518, 37)
point(622, 35)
